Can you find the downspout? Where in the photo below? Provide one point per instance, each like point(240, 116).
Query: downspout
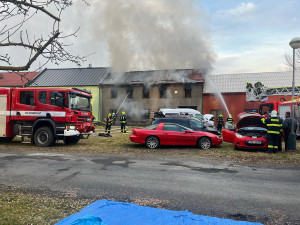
point(100, 104)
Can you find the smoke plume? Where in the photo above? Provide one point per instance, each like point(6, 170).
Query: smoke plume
point(152, 34)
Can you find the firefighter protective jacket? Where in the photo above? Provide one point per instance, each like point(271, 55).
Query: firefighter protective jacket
point(220, 119)
point(274, 125)
point(123, 119)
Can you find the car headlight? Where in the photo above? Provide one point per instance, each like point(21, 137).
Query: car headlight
point(239, 135)
point(71, 127)
point(88, 119)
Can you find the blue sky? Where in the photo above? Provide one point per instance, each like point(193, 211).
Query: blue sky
point(251, 36)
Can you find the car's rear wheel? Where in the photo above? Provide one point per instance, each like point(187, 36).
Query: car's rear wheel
point(204, 143)
point(152, 142)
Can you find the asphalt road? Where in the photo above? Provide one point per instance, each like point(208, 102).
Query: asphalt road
point(221, 189)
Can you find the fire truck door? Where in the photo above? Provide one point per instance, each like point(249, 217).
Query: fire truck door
point(3, 103)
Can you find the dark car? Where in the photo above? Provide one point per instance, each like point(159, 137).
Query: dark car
point(191, 123)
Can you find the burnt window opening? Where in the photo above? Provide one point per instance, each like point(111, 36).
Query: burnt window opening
point(129, 92)
point(146, 92)
point(113, 92)
point(163, 91)
point(27, 97)
point(187, 91)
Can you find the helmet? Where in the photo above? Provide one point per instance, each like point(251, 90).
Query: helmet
point(109, 114)
point(123, 112)
point(229, 116)
point(274, 113)
point(221, 115)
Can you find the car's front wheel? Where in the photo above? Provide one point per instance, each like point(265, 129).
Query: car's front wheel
point(204, 143)
point(152, 142)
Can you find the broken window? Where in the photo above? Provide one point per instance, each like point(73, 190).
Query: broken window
point(187, 91)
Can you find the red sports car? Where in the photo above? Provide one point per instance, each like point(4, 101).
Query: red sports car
point(173, 134)
point(249, 133)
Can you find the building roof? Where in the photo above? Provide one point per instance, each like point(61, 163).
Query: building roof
point(153, 77)
point(230, 83)
point(16, 79)
point(92, 76)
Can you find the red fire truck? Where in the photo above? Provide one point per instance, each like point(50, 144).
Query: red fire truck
point(45, 115)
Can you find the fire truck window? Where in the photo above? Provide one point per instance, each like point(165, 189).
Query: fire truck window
point(56, 98)
point(43, 97)
point(27, 97)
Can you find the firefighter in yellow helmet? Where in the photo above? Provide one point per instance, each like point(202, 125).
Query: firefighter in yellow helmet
point(123, 122)
point(108, 123)
point(229, 119)
point(220, 122)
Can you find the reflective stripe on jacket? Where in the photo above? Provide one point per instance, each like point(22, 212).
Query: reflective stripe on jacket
point(274, 125)
point(123, 119)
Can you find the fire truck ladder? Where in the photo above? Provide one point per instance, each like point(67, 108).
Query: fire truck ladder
point(281, 91)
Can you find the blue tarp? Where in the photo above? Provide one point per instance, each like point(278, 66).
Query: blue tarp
point(106, 212)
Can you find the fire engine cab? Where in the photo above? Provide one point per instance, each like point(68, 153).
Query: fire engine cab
point(45, 114)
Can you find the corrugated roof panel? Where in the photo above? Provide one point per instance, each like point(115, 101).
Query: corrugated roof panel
point(151, 77)
point(70, 77)
point(229, 83)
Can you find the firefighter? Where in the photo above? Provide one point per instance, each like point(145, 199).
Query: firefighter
point(249, 86)
point(108, 123)
point(258, 85)
point(123, 122)
point(229, 119)
point(274, 128)
point(220, 122)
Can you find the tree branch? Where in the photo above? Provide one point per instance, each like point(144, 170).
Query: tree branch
point(39, 52)
point(33, 6)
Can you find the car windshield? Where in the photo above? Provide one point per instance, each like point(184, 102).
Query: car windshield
point(196, 124)
point(79, 102)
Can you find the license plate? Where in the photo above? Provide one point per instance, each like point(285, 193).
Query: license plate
point(254, 142)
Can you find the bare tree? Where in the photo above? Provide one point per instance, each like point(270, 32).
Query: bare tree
point(288, 60)
point(16, 32)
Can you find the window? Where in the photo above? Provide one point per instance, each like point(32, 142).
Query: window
point(187, 91)
point(251, 110)
point(43, 97)
point(196, 124)
point(151, 127)
point(162, 91)
point(216, 112)
point(113, 93)
point(147, 114)
point(171, 127)
point(145, 92)
point(129, 92)
point(27, 97)
point(57, 98)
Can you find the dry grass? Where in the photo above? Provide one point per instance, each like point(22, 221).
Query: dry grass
point(17, 207)
point(119, 144)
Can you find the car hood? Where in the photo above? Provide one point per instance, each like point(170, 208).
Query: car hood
point(250, 120)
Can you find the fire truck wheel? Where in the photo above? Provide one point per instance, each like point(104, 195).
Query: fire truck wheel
point(44, 137)
point(71, 140)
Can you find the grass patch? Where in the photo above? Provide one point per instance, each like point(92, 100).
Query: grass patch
point(120, 144)
point(17, 208)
